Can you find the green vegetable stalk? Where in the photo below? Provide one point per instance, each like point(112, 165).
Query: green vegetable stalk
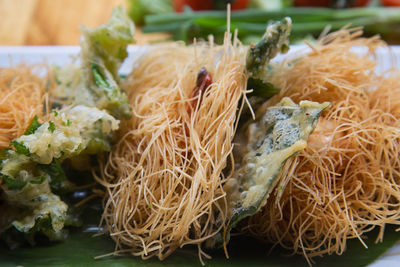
point(251, 22)
point(139, 8)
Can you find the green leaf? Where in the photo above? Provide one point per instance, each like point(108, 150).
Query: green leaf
point(276, 136)
point(33, 126)
point(98, 78)
point(82, 247)
point(103, 51)
point(105, 48)
point(58, 180)
point(265, 90)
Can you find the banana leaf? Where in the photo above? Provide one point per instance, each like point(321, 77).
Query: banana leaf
point(82, 246)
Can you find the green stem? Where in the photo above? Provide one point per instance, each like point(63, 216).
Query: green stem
point(254, 21)
point(297, 14)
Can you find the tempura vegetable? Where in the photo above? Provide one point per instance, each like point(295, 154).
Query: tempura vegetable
point(279, 134)
point(70, 133)
point(95, 83)
point(275, 40)
point(27, 188)
point(32, 180)
point(28, 171)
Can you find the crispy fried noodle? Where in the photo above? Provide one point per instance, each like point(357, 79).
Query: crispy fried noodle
point(22, 96)
point(164, 177)
point(346, 182)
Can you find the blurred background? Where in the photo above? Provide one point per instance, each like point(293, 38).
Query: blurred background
point(55, 22)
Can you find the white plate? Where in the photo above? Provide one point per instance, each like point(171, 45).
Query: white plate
point(55, 55)
point(61, 55)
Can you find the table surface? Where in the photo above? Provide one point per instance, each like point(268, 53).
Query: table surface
point(55, 22)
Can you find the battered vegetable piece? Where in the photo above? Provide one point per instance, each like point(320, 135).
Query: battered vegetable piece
point(279, 134)
point(275, 40)
point(32, 172)
point(31, 176)
point(70, 133)
point(27, 188)
point(95, 83)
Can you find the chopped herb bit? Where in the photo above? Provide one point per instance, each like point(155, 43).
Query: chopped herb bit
point(20, 148)
point(12, 183)
point(52, 127)
point(32, 126)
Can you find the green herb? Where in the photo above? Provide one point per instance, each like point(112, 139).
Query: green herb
point(20, 148)
point(139, 8)
point(98, 78)
point(32, 126)
point(12, 183)
point(250, 22)
point(51, 127)
point(265, 90)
